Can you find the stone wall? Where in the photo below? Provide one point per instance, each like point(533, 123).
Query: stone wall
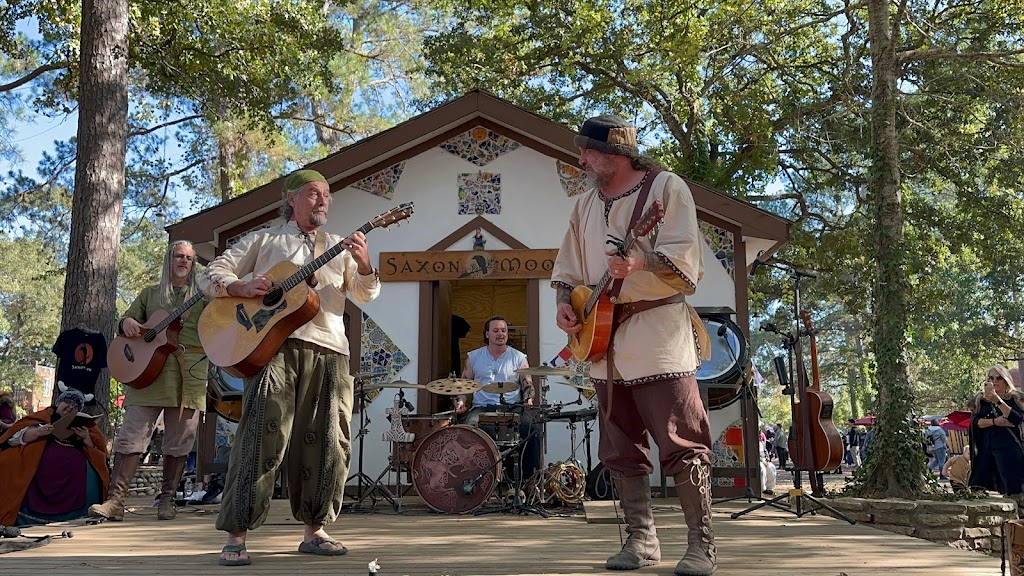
point(147, 481)
point(966, 524)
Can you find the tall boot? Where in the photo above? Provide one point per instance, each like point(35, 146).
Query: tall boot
point(120, 478)
point(641, 547)
point(693, 485)
point(174, 466)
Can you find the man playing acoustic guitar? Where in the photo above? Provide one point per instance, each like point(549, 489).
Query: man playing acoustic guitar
point(179, 391)
point(302, 399)
point(655, 338)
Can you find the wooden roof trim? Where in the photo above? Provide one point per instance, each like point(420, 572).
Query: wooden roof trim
point(478, 222)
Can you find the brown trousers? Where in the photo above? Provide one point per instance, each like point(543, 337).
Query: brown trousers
point(301, 402)
point(669, 410)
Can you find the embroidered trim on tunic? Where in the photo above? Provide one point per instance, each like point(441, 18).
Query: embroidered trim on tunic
point(608, 203)
point(647, 379)
point(675, 269)
point(556, 284)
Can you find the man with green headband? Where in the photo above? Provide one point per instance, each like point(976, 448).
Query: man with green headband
point(302, 400)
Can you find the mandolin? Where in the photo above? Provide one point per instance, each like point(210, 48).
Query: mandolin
point(241, 335)
point(595, 306)
point(816, 434)
point(136, 362)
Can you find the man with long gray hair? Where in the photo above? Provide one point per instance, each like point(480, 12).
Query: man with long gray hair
point(179, 391)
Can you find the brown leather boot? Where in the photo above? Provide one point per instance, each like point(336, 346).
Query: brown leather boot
point(174, 466)
point(120, 478)
point(693, 485)
point(641, 547)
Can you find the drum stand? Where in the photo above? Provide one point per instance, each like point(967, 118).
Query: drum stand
point(371, 486)
point(517, 506)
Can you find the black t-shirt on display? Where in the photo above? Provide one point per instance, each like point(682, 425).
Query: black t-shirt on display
point(81, 354)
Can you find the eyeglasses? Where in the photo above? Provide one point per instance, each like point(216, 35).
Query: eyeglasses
point(996, 377)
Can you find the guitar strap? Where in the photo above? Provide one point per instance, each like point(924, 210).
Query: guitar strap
point(319, 246)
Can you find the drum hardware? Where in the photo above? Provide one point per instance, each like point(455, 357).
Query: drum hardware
point(505, 426)
point(453, 386)
point(585, 385)
point(366, 486)
point(574, 416)
point(517, 505)
point(501, 387)
point(545, 370)
point(566, 481)
point(395, 435)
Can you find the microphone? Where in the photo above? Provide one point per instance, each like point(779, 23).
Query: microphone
point(721, 331)
point(468, 485)
point(753, 268)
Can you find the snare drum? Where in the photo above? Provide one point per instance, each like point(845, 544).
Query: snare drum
point(456, 468)
point(422, 425)
point(502, 426)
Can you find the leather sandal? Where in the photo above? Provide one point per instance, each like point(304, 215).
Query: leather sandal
point(234, 549)
point(313, 547)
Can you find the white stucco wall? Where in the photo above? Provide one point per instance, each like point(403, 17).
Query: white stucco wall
point(534, 210)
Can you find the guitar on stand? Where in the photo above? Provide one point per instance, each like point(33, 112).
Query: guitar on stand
point(241, 335)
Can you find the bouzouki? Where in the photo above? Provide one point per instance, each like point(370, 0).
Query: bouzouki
point(594, 307)
point(241, 335)
point(821, 442)
point(136, 362)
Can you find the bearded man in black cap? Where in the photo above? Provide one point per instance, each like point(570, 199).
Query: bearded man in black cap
point(302, 400)
point(646, 382)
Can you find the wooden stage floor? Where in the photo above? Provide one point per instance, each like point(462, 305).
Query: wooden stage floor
point(423, 543)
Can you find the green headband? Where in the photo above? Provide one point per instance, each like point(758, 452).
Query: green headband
point(299, 178)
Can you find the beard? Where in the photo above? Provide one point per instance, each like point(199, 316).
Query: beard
point(318, 218)
point(597, 178)
point(180, 273)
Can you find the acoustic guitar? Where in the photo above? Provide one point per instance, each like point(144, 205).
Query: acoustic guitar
point(595, 307)
point(241, 335)
point(136, 362)
point(816, 433)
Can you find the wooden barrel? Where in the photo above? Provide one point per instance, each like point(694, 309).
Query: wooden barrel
point(1015, 546)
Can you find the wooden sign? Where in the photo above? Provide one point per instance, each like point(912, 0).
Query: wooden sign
point(464, 265)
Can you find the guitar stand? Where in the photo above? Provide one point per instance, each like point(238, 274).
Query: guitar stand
point(517, 506)
point(799, 507)
point(366, 486)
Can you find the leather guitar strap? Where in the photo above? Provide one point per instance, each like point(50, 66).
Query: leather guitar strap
point(319, 246)
point(613, 291)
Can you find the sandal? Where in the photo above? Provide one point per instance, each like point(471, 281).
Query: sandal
point(313, 547)
point(234, 549)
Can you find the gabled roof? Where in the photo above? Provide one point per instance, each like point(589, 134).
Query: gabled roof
point(411, 137)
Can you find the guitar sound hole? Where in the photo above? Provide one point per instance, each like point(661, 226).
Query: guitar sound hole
point(271, 298)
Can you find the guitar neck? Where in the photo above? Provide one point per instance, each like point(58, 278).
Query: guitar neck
point(177, 312)
point(602, 284)
point(307, 270)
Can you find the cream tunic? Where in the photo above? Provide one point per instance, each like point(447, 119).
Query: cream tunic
point(258, 252)
point(657, 343)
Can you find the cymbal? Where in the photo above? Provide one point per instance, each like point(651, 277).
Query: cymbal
point(453, 386)
point(545, 370)
point(403, 384)
point(501, 387)
point(367, 386)
point(363, 376)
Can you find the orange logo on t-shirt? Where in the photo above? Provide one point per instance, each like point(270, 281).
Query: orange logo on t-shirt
point(83, 354)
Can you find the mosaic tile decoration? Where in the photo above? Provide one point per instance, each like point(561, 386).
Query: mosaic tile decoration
point(726, 455)
point(573, 180)
point(581, 376)
point(723, 246)
point(382, 183)
point(380, 356)
point(479, 145)
point(231, 241)
point(480, 193)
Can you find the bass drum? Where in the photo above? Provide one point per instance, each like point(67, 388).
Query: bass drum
point(225, 393)
point(453, 461)
point(729, 357)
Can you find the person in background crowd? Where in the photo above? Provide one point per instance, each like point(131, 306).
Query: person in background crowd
point(997, 436)
point(7, 415)
point(958, 470)
point(44, 478)
point(938, 443)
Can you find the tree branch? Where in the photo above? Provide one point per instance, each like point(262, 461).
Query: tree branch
point(33, 75)
point(152, 129)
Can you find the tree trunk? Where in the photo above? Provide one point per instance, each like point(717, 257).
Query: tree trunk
point(896, 468)
point(227, 158)
point(89, 289)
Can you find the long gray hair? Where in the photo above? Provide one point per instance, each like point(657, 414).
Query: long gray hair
point(166, 289)
point(286, 209)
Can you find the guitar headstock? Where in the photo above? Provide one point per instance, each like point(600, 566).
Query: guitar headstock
point(393, 216)
point(650, 218)
point(805, 317)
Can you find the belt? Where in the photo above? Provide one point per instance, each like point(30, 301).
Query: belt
point(624, 311)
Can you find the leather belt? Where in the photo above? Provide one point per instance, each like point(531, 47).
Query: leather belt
point(624, 311)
